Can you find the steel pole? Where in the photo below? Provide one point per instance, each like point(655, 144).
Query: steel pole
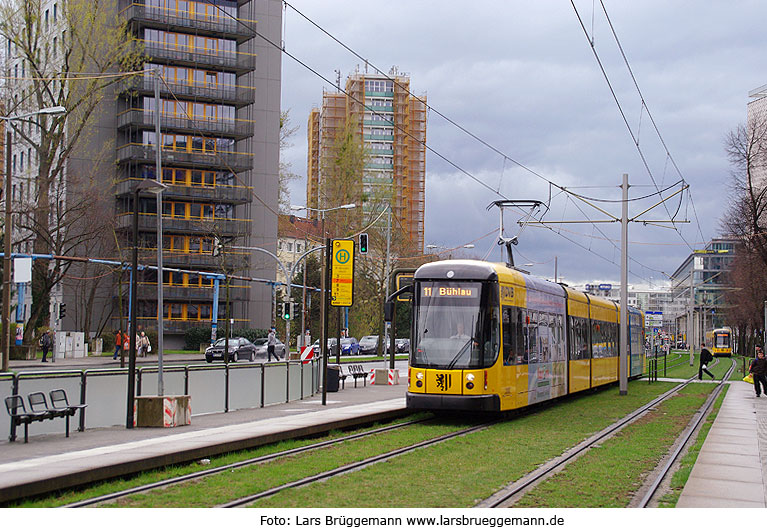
point(624, 336)
point(690, 326)
point(158, 172)
point(5, 341)
point(323, 340)
point(133, 327)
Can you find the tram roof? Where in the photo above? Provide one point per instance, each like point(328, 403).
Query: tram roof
point(474, 270)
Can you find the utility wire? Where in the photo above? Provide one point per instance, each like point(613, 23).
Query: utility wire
point(621, 111)
point(426, 146)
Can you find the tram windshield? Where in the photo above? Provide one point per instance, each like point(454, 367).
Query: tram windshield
point(456, 325)
point(722, 340)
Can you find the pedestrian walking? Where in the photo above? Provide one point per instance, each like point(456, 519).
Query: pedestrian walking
point(118, 344)
point(45, 343)
point(758, 370)
point(705, 358)
point(143, 344)
point(271, 342)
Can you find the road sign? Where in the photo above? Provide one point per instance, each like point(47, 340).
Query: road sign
point(342, 273)
point(653, 319)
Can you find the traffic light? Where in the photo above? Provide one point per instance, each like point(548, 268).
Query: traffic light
point(62, 310)
point(286, 314)
point(363, 243)
point(216, 246)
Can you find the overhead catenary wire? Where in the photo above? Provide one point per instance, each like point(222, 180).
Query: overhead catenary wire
point(621, 111)
point(429, 108)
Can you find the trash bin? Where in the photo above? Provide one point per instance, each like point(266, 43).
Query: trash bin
point(334, 371)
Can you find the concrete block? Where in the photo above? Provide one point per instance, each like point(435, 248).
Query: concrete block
point(162, 411)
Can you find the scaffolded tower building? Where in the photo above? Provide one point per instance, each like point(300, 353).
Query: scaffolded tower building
point(392, 125)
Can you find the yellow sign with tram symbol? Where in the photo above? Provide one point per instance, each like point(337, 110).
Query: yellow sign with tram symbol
point(342, 273)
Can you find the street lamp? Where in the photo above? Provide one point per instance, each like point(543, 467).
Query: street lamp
point(323, 317)
point(154, 187)
point(6, 314)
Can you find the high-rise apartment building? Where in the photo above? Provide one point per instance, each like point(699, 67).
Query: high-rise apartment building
point(219, 108)
point(392, 125)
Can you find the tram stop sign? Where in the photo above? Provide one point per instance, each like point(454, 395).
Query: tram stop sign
point(342, 273)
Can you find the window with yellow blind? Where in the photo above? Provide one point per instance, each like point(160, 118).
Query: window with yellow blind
point(187, 244)
point(187, 177)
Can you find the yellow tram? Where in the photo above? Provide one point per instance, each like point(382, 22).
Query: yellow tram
point(488, 337)
point(720, 341)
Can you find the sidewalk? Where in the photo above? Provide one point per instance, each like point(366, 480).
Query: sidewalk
point(731, 469)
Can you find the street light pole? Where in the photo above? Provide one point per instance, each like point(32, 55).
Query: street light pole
point(158, 176)
point(147, 185)
point(6, 310)
point(5, 341)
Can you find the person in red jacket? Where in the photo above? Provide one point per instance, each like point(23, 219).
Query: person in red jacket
point(118, 344)
point(758, 371)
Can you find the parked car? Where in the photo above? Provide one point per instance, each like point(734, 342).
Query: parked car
point(369, 345)
point(261, 348)
point(402, 345)
point(239, 349)
point(349, 346)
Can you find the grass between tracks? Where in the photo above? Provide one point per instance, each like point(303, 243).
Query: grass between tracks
point(679, 478)
point(70, 496)
point(463, 471)
point(609, 475)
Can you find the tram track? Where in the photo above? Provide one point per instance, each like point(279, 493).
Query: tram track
point(510, 494)
point(245, 501)
point(94, 501)
point(682, 445)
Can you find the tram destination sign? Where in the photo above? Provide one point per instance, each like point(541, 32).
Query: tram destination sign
point(342, 273)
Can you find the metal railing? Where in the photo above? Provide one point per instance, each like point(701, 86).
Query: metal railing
point(213, 388)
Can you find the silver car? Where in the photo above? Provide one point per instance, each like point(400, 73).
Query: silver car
point(261, 348)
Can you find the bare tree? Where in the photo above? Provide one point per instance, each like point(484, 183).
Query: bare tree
point(746, 149)
point(286, 175)
point(67, 58)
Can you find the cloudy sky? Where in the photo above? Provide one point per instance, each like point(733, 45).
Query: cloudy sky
point(521, 76)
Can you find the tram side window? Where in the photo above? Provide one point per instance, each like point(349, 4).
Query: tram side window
point(579, 341)
point(597, 341)
point(513, 336)
point(532, 337)
point(544, 337)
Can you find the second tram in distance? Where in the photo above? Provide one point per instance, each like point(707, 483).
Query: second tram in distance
point(487, 337)
point(720, 341)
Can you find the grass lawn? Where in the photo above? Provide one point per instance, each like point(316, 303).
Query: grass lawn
point(679, 478)
point(609, 475)
point(466, 470)
point(148, 477)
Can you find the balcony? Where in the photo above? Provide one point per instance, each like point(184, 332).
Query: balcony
point(206, 262)
point(145, 119)
point(145, 153)
point(237, 61)
point(189, 293)
point(214, 23)
point(234, 194)
point(200, 226)
point(229, 94)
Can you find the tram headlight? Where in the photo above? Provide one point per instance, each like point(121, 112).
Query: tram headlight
point(470, 377)
point(469, 385)
point(419, 376)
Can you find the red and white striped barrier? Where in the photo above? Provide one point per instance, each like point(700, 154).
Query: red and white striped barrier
point(169, 413)
point(307, 354)
point(392, 377)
